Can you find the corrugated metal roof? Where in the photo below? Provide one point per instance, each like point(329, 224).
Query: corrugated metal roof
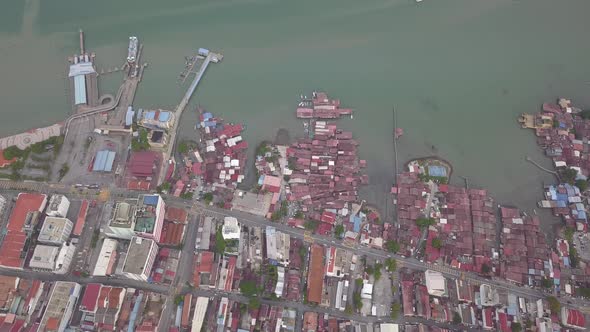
point(129, 116)
point(82, 68)
point(109, 162)
point(79, 89)
point(99, 161)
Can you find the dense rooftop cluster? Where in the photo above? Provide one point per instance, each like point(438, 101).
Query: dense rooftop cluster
point(224, 151)
point(326, 169)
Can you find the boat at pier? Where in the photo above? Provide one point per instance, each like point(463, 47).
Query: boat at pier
point(132, 51)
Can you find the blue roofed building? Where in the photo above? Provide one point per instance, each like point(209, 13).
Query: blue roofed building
point(129, 117)
point(103, 161)
point(80, 90)
point(156, 119)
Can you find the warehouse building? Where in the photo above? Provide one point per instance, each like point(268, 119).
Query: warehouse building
point(103, 161)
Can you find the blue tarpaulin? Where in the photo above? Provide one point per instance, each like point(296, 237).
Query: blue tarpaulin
point(434, 170)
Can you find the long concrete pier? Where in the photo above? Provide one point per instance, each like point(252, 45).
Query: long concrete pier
point(191, 89)
point(211, 57)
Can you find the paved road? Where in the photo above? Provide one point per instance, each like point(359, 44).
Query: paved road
point(301, 308)
point(110, 281)
point(183, 274)
point(252, 220)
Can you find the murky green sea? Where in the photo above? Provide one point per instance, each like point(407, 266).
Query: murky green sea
point(458, 71)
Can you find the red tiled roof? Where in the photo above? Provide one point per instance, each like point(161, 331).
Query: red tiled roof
point(328, 217)
point(203, 264)
point(138, 185)
point(5, 162)
point(172, 233)
point(575, 318)
point(503, 321)
point(25, 203)
point(90, 297)
point(52, 324)
point(488, 317)
point(315, 279)
point(176, 214)
point(14, 241)
point(141, 163)
point(81, 218)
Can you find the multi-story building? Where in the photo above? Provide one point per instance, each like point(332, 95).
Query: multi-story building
point(58, 206)
point(21, 223)
point(106, 258)
point(140, 258)
point(122, 222)
point(149, 217)
point(60, 307)
point(55, 230)
point(52, 258)
point(277, 246)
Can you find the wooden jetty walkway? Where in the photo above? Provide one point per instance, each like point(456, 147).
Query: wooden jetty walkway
point(527, 158)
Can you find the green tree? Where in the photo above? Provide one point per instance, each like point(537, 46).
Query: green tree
point(584, 291)
point(370, 269)
point(248, 288)
point(348, 309)
point(219, 241)
point(574, 259)
point(357, 301)
point(392, 246)
point(208, 197)
point(391, 264)
point(187, 195)
point(457, 318)
point(582, 184)
point(547, 283)
point(63, 171)
point(299, 214)
point(437, 243)
point(358, 282)
point(254, 303)
point(302, 252)
point(395, 310)
point(338, 231)
point(12, 152)
point(377, 269)
point(141, 143)
point(183, 147)
point(569, 175)
point(485, 268)
point(516, 327)
point(178, 299)
point(425, 222)
point(311, 225)
point(568, 232)
point(554, 305)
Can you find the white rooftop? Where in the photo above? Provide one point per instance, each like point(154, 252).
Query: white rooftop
point(230, 229)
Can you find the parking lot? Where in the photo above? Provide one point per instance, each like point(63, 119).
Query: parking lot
point(80, 148)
